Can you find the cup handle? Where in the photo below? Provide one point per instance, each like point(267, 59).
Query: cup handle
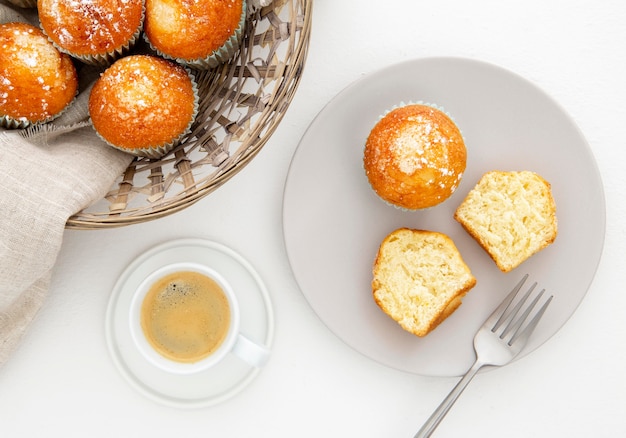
point(252, 353)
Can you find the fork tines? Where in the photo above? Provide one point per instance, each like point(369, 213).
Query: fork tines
point(508, 324)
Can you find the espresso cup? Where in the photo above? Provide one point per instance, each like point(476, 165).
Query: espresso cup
point(184, 318)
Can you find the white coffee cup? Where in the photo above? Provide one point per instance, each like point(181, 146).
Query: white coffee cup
point(233, 341)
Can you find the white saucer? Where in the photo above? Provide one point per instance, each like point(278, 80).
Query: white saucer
point(209, 387)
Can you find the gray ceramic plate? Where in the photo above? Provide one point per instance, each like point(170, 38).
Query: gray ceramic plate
point(333, 222)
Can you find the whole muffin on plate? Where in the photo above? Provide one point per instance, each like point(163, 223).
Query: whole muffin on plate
point(37, 82)
point(415, 156)
point(95, 31)
point(143, 105)
point(200, 34)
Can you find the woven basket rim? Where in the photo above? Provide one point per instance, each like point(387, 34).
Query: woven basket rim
point(272, 57)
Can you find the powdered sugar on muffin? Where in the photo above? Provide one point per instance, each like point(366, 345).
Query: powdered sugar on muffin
point(415, 157)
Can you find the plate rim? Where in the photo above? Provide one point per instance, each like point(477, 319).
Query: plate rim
point(358, 82)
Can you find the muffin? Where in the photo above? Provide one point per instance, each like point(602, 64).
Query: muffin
point(512, 215)
point(37, 82)
point(201, 34)
point(415, 157)
point(143, 105)
point(419, 279)
point(95, 31)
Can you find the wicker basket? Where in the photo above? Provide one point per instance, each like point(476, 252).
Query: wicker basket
point(241, 104)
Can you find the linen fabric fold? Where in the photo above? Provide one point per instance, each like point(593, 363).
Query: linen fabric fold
point(47, 174)
point(46, 177)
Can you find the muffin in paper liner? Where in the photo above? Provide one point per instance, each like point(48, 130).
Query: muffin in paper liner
point(112, 30)
point(37, 82)
point(192, 50)
point(130, 111)
point(424, 178)
point(9, 122)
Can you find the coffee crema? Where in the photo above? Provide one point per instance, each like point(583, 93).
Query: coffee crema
point(185, 316)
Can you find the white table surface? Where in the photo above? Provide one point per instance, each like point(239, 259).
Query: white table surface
point(62, 382)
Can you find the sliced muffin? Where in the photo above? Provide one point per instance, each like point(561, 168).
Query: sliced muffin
point(512, 215)
point(419, 279)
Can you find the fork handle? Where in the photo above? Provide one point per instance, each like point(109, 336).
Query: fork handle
point(433, 421)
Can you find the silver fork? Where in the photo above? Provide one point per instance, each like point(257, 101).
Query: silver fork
point(502, 336)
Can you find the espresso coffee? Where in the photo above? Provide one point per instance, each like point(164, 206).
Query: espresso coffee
point(185, 316)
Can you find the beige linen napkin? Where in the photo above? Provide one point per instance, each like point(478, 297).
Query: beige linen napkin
point(45, 179)
point(46, 175)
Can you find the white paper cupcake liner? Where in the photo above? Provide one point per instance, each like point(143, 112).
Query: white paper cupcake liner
point(9, 122)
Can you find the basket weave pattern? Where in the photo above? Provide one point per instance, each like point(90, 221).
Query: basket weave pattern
point(241, 104)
